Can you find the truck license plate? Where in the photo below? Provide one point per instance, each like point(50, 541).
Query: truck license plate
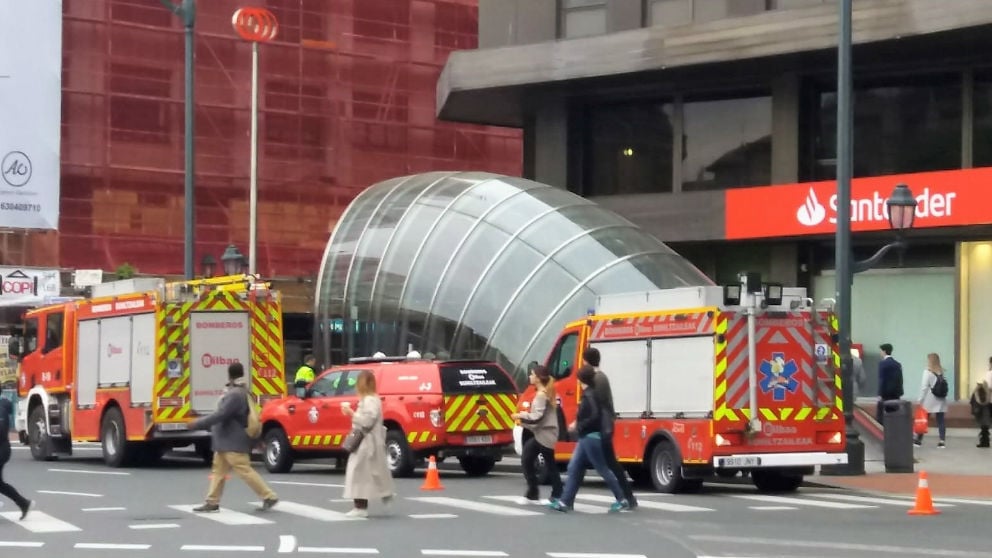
point(478, 440)
point(740, 461)
point(172, 426)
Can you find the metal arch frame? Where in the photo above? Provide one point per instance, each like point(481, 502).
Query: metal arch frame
point(496, 257)
point(420, 250)
point(358, 241)
point(582, 285)
point(389, 242)
point(447, 266)
point(547, 258)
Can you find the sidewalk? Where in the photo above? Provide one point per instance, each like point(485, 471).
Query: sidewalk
point(959, 470)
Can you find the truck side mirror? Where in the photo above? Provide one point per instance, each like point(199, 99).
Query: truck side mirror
point(14, 349)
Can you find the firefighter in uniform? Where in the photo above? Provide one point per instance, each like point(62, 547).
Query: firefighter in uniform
point(305, 374)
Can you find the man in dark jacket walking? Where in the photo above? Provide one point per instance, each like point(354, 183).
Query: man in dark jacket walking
point(889, 381)
point(7, 490)
point(231, 444)
point(604, 396)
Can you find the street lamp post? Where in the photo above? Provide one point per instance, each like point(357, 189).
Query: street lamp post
point(255, 25)
point(232, 260)
point(187, 10)
point(901, 208)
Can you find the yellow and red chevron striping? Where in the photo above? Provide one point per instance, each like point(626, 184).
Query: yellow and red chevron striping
point(268, 361)
point(174, 347)
point(461, 412)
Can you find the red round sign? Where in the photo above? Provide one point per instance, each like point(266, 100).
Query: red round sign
point(255, 24)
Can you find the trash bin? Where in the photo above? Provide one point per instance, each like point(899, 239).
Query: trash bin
point(898, 436)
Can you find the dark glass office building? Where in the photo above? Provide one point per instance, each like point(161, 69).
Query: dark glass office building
point(477, 265)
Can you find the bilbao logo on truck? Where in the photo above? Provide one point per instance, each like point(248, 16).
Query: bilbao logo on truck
point(208, 360)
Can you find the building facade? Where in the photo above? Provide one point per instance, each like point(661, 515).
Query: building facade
point(711, 124)
point(346, 100)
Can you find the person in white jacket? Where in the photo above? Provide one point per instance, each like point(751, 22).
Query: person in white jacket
point(933, 396)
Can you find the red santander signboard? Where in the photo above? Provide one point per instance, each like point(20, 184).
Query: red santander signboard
point(944, 199)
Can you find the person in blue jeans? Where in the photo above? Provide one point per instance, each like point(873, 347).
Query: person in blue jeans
point(589, 450)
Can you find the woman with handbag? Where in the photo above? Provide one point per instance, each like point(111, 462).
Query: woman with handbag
point(367, 475)
point(542, 421)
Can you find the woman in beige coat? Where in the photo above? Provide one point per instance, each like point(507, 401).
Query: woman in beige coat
point(367, 475)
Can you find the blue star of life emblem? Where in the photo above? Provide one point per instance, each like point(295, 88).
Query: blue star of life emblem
point(778, 376)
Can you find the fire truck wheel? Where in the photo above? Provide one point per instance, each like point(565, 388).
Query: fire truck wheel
point(775, 481)
point(666, 469)
point(113, 438)
point(278, 454)
point(475, 466)
point(38, 435)
point(398, 453)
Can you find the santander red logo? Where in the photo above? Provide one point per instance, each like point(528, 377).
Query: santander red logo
point(208, 360)
point(872, 208)
point(811, 213)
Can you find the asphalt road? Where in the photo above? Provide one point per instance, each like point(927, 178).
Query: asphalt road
point(86, 509)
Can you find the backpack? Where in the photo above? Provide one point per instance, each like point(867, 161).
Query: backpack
point(939, 388)
point(254, 426)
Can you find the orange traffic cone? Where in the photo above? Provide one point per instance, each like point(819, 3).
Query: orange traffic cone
point(924, 503)
point(433, 480)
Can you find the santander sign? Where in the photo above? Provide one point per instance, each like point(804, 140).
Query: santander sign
point(811, 213)
point(944, 199)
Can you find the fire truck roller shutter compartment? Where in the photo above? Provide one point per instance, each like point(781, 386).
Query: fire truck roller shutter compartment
point(87, 362)
point(626, 364)
point(142, 358)
point(115, 351)
point(682, 379)
point(217, 339)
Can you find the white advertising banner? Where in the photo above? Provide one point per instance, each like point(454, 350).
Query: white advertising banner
point(31, 99)
point(26, 286)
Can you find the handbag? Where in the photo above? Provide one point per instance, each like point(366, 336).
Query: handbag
point(353, 440)
point(920, 421)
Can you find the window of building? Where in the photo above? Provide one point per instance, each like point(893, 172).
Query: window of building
point(382, 19)
point(899, 127)
point(141, 13)
point(629, 149)
point(582, 18)
point(726, 143)
point(982, 128)
point(455, 26)
point(139, 108)
point(667, 12)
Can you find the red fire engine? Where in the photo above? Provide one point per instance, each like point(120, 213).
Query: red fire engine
point(132, 365)
point(711, 381)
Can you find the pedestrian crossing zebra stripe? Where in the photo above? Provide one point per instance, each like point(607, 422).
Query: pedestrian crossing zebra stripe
point(40, 522)
point(225, 516)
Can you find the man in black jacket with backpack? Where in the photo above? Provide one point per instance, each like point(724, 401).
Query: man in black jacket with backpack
point(604, 396)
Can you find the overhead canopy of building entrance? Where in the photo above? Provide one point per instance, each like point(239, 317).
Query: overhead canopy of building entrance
point(493, 86)
point(476, 265)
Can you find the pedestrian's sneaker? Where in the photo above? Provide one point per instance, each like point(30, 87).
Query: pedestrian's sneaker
point(619, 506)
point(26, 509)
point(207, 508)
point(268, 504)
point(557, 505)
point(917, 443)
point(358, 513)
point(941, 445)
point(631, 503)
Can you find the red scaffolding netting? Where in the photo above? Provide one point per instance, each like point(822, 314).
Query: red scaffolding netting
point(347, 98)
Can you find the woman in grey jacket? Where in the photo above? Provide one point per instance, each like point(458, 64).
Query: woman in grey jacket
point(542, 421)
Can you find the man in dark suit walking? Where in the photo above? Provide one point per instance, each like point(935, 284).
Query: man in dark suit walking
point(889, 380)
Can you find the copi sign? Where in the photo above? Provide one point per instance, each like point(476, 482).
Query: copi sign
point(944, 198)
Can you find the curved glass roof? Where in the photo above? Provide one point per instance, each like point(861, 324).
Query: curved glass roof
point(477, 265)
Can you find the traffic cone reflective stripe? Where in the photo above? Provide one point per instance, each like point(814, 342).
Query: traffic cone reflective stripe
point(924, 503)
point(433, 479)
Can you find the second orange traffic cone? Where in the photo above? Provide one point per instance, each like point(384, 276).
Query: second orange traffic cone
point(924, 503)
point(433, 479)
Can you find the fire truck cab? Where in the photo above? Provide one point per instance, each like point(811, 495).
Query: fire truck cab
point(711, 381)
point(133, 364)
